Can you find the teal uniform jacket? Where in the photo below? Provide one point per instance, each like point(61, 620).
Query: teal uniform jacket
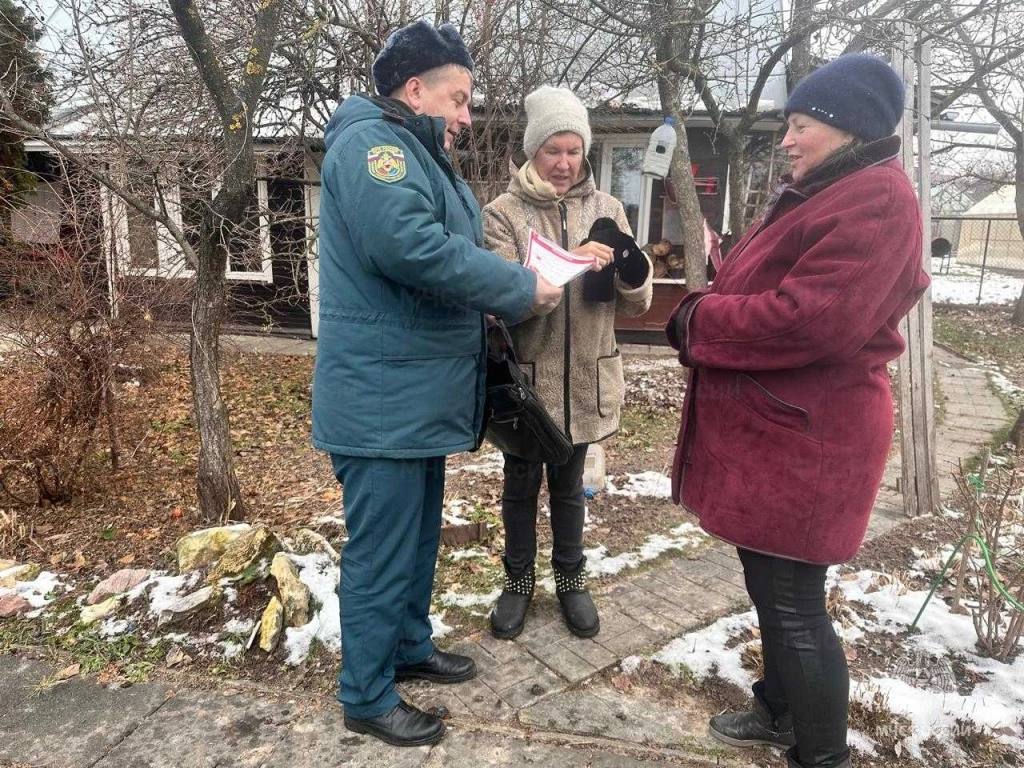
point(404, 286)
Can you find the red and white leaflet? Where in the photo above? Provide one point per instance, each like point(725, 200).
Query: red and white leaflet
point(553, 263)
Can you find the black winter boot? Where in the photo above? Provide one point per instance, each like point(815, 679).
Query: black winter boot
point(508, 617)
point(578, 607)
point(754, 726)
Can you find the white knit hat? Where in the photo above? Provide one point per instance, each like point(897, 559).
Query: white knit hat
point(554, 110)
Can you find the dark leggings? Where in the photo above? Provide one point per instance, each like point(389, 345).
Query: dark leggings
point(519, 511)
point(805, 669)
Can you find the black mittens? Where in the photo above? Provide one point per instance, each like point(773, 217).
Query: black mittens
point(630, 263)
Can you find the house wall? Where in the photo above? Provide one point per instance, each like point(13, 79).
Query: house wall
point(282, 292)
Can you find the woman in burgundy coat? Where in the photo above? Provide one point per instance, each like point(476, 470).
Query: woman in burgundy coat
point(788, 415)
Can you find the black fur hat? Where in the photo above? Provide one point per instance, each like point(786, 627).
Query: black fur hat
point(414, 49)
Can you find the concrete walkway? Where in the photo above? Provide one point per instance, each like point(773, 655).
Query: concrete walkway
point(542, 699)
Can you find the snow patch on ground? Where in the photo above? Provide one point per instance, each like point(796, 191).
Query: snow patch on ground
point(960, 286)
point(682, 537)
point(39, 592)
point(239, 626)
point(438, 628)
point(468, 554)
point(492, 463)
point(704, 653)
point(320, 573)
point(459, 600)
point(452, 515)
point(995, 703)
point(111, 628)
point(653, 484)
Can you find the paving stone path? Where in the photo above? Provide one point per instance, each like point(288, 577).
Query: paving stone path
point(539, 700)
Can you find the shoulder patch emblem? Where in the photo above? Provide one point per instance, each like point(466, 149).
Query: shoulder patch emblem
point(386, 162)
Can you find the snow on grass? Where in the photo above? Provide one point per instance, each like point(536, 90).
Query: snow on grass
point(318, 572)
point(703, 653)
point(653, 484)
point(460, 600)
point(682, 537)
point(112, 627)
point(468, 554)
point(438, 628)
point(38, 592)
point(491, 463)
point(240, 626)
point(995, 703)
point(960, 286)
point(164, 590)
point(1006, 387)
point(452, 515)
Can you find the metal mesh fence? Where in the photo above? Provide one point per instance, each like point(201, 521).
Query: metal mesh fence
point(977, 259)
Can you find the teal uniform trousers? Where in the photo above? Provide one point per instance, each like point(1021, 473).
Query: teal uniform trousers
point(393, 516)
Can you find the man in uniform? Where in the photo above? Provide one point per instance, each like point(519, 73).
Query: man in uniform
point(400, 370)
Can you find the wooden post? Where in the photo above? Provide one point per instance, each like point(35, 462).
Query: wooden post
point(916, 398)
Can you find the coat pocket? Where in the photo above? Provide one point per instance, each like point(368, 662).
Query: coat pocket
point(609, 385)
point(770, 407)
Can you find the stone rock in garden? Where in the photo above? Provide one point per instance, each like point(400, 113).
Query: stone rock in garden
point(5, 564)
point(203, 547)
point(183, 607)
point(15, 572)
point(244, 552)
point(117, 583)
point(13, 605)
point(93, 613)
point(177, 657)
point(294, 595)
point(271, 625)
point(307, 542)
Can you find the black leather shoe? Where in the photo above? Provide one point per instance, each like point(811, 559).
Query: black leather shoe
point(755, 726)
point(403, 726)
point(439, 667)
point(508, 617)
point(578, 607)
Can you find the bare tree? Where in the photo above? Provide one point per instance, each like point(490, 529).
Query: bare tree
point(988, 42)
point(153, 118)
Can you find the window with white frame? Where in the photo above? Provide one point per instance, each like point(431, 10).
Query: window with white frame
point(249, 253)
point(621, 170)
point(145, 247)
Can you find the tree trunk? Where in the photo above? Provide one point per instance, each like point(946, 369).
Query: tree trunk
point(1018, 310)
point(220, 497)
point(1017, 432)
point(691, 219)
point(739, 168)
point(801, 61)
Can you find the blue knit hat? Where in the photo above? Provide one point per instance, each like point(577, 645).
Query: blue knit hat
point(857, 93)
point(415, 48)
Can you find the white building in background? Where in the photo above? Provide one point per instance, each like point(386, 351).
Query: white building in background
point(990, 233)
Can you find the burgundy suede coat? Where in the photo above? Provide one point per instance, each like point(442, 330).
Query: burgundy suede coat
point(788, 417)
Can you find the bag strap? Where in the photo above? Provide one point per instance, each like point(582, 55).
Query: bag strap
point(500, 341)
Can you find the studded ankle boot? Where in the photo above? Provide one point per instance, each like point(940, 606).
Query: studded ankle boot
point(508, 617)
point(578, 607)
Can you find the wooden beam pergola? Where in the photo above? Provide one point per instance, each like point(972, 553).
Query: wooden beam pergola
point(919, 479)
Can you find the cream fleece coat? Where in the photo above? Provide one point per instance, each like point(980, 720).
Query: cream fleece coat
point(586, 399)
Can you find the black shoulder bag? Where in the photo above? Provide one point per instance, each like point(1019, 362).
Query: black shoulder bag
point(517, 422)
